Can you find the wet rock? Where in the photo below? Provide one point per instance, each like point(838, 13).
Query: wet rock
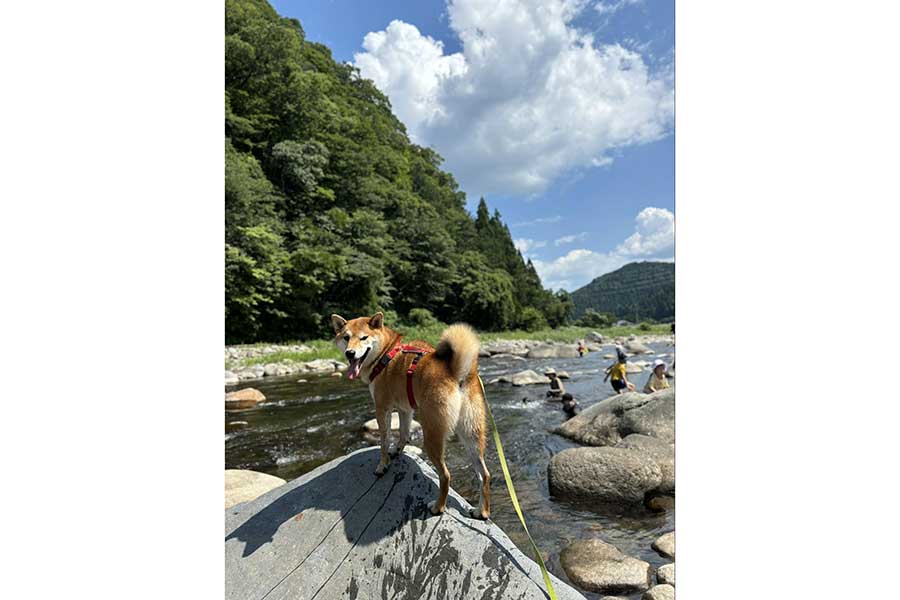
point(516, 347)
point(254, 372)
point(336, 374)
point(341, 532)
point(665, 545)
point(372, 424)
point(596, 566)
point(231, 378)
point(243, 399)
point(322, 366)
point(613, 475)
point(508, 357)
point(632, 368)
point(659, 592)
point(563, 375)
point(661, 452)
point(608, 421)
point(660, 503)
point(235, 425)
point(527, 377)
point(276, 370)
point(553, 351)
point(483, 353)
point(607, 355)
point(243, 486)
point(666, 574)
point(413, 450)
point(303, 381)
point(595, 337)
point(636, 347)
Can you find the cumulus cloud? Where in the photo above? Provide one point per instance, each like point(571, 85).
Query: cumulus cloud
point(654, 238)
point(526, 245)
point(568, 239)
point(529, 97)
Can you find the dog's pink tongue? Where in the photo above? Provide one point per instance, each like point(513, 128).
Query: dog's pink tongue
point(355, 366)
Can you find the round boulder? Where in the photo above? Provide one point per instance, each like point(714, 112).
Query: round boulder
point(242, 485)
point(603, 474)
point(665, 545)
point(666, 574)
point(660, 592)
point(372, 424)
point(231, 378)
point(596, 566)
point(528, 377)
point(242, 399)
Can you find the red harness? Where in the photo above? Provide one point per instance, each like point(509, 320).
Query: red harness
point(389, 355)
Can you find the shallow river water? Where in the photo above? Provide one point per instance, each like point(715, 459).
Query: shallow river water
point(302, 425)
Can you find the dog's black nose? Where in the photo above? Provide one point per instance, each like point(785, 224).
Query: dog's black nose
point(350, 353)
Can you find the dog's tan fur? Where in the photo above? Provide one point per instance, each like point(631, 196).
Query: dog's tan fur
point(446, 388)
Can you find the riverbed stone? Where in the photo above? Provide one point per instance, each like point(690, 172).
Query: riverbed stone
point(608, 421)
point(660, 503)
point(611, 475)
point(253, 372)
point(242, 485)
point(596, 566)
point(322, 366)
point(632, 368)
point(276, 370)
point(508, 357)
point(595, 337)
point(661, 452)
point(516, 347)
point(527, 377)
point(341, 532)
point(665, 545)
point(660, 592)
point(553, 351)
point(372, 424)
point(666, 574)
point(636, 347)
point(231, 378)
point(243, 399)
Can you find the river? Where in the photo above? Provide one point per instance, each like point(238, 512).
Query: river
point(303, 425)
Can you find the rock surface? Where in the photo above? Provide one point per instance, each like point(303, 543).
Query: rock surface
point(618, 475)
point(636, 347)
point(597, 566)
point(527, 377)
point(341, 532)
point(595, 337)
point(665, 545)
point(659, 592)
point(662, 453)
point(553, 351)
point(608, 421)
point(242, 399)
point(231, 378)
point(372, 424)
point(243, 486)
point(666, 574)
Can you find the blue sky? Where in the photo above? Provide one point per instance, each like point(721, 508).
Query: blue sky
point(559, 112)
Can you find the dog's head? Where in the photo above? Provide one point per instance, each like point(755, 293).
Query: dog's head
point(360, 339)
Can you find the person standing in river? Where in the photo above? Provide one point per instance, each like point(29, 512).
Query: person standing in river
point(581, 349)
point(556, 387)
point(657, 379)
point(616, 373)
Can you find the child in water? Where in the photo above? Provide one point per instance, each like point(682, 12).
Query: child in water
point(657, 380)
point(581, 349)
point(556, 387)
point(616, 373)
point(569, 405)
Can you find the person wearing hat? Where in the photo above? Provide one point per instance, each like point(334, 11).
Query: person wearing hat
point(616, 373)
point(657, 380)
point(556, 387)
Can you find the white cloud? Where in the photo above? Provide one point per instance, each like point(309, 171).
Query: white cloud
point(540, 221)
point(611, 7)
point(568, 239)
point(527, 99)
point(654, 238)
point(526, 245)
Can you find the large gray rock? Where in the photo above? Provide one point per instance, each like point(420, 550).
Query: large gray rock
point(322, 366)
point(636, 347)
point(341, 532)
point(231, 378)
point(597, 566)
point(665, 545)
point(516, 347)
point(527, 377)
point(666, 574)
point(608, 421)
point(243, 486)
point(662, 453)
point(553, 351)
point(595, 337)
point(276, 370)
point(660, 592)
point(613, 475)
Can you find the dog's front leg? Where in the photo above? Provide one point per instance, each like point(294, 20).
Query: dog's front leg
point(405, 423)
point(384, 428)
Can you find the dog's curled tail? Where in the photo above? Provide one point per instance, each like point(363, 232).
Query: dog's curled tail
point(459, 349)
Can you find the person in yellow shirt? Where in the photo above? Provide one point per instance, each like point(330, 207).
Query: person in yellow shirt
point(616, 373)
point(657, 380)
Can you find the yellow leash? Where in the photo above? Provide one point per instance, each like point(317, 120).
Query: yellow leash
point(512, 494)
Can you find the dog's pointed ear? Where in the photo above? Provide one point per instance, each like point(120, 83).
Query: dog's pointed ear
point(338, 322)
point(376, 321)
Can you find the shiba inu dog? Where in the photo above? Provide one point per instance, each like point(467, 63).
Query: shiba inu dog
point(444, 388)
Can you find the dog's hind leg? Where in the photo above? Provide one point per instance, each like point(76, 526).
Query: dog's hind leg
point(405, 424)
point(435, 440)
point(384, 429)
point(471, 432)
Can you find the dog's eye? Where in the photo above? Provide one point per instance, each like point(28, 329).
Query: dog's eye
point(347, 337)
point(363, 337)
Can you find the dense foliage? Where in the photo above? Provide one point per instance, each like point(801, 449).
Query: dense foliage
point(330, 208)
point(644, 290)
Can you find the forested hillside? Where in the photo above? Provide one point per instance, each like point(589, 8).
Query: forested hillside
point(330, 208)
point(636, 291)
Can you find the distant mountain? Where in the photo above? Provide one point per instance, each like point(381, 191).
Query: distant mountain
point(637, 291)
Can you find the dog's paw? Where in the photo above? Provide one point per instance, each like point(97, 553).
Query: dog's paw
point(380, 469)
point(475, 513)
point(431, 508)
